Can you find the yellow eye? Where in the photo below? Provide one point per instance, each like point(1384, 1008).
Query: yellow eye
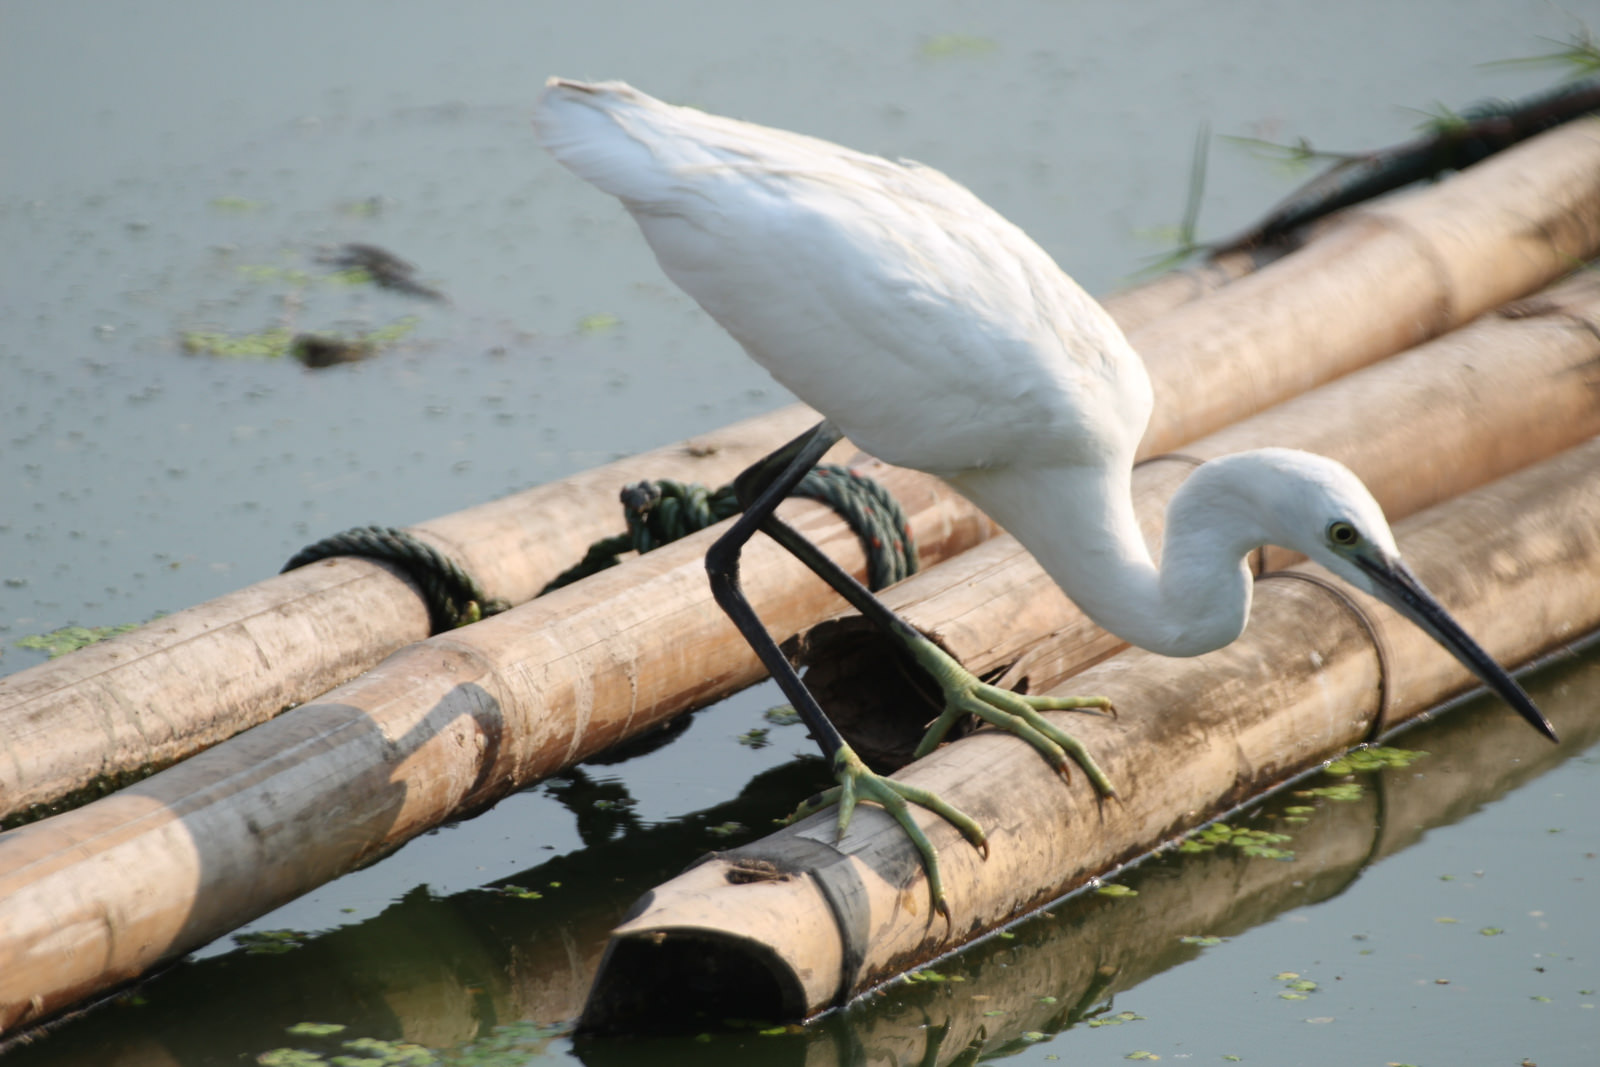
point(1342, 533)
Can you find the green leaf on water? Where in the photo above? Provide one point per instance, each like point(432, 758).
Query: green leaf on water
point(71, 638)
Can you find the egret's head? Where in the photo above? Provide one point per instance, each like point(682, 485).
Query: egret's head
point(1318, 507)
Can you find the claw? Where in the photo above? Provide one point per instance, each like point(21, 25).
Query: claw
point(1013, 712)
point(858, 782)
point(964, 695)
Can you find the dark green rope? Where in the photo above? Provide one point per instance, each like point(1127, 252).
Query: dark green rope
point(453, 596)
point(657, 514)
point(664, 511)
point(874, 514)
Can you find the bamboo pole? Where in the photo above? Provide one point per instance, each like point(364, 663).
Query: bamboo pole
point(110, 713)
point(1052, 975)
point(96, 896)
point(1506, 391)
point(517, 678)
point(798, 922)
point(457, 721)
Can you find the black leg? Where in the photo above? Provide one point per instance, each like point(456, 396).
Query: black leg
point(771, 481)
point(780, 473)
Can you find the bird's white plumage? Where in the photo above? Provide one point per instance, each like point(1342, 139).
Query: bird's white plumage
point(932, 331)
point(937, 335)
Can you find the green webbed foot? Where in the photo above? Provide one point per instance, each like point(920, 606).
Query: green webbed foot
point(858, 782)
point(964, 694)
point(1015, 713)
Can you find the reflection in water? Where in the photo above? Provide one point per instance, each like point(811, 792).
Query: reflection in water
point(445, 971)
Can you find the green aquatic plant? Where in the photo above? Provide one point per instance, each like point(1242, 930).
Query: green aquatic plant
point(267, 344)
point(782, 715)
point(1259, 844)
point(270, 942)
point(1344, 791)
point(1372, 758)
point(598, 323)
point(957, 46)
point(71, 638)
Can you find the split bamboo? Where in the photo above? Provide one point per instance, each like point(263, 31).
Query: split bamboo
point(798, 923)
point(1382, 279)
point(1506, 391)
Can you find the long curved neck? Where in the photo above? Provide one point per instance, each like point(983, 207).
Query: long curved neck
point(1079, 523)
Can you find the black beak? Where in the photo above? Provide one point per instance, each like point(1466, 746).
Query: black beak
point(1401, 590)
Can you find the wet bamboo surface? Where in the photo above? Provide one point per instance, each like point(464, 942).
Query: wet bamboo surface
point(1384, 278)
point(1515, 387)
point(799, 922)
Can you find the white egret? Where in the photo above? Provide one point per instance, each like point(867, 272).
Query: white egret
point(938, 336)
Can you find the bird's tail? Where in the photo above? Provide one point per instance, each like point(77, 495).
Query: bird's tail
point(599, 131)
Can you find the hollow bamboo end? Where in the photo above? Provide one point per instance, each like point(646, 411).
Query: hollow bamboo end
point(659, 981)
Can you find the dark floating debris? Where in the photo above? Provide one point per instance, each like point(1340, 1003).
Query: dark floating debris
point(386, 269)
point(320, 350)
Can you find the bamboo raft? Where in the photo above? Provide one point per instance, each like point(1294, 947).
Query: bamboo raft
point(392, 732)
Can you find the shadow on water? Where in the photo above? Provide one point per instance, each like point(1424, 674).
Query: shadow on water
point(444, 972)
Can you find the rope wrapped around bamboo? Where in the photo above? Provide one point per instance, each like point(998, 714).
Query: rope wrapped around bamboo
point(797, 923)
